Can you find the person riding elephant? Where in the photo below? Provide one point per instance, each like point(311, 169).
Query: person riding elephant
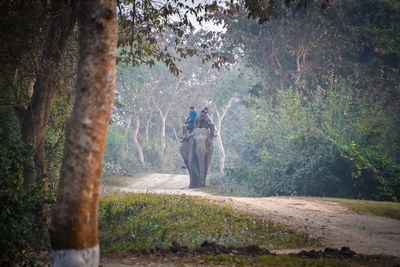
point(203, 121)
point(189, 123)
point(196, 152)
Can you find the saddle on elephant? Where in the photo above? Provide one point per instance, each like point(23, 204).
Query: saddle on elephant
point(196, 152)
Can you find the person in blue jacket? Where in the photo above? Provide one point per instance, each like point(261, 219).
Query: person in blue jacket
point(189, 123)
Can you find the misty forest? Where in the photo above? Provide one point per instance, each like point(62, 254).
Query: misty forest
point(195, 132)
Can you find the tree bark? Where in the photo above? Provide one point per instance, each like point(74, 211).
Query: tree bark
point(135, 139)
point(221, 116)
point(148, 129)
point(222, 152)
point(163, 127)
point(74, 233)
point(163, 137)
point(128, 125)
point(36, 117)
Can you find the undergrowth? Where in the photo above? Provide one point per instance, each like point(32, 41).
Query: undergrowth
point(137, 221)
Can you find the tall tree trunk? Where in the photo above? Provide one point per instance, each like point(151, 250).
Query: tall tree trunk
point(163, 138)
point(221, 115)
point(148, 129)
point(176, 136)
point(135, 139)
point(221, 151)
point(36, 117)
point(128, 125)
point(74, 233)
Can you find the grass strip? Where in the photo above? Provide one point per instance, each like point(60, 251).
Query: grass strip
point(380, 208)
point(289, 261)
point(137, 221)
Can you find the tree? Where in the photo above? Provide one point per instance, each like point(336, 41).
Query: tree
point(36, 63)
point(74, 221)
point(230, 86)
point(218, 126)
point(165, 94)
point(130, 96)
point(37, 115)
point(326, 103)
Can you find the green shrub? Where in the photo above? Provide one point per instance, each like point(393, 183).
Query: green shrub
point(153, 155)
point(23, 215)
point(119, 156)
point(338, 144)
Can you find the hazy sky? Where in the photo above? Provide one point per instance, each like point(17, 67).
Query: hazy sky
point(210, 25)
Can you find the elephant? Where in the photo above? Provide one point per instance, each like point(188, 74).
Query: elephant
point(196, 151)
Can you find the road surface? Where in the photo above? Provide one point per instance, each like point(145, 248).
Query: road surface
point(336, 225)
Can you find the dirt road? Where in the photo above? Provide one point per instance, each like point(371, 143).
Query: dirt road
point(336, 225)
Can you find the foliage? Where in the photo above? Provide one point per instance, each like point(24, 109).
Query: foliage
point(149, 32)
point(60, 113)
point(153, 154)
point(23, 217)
point(23, 25)
point(299, 49)
point(326, 111)
point(238, 181)
point(264, 10)
point(338, 145)
point(136, 221)
point(119, 159)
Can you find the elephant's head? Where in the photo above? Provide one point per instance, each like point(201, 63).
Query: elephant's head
point(197, 151)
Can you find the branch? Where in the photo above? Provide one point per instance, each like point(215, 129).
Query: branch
point(224, 112)
point(177, 86)
point(227, 107)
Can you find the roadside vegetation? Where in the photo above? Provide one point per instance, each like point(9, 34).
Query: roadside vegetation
point(289, 261)
point(137, 221)
point(380, 208)
point(248, 256)
point(326, 108)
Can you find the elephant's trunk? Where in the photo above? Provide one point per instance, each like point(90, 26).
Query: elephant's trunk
point(201, 156)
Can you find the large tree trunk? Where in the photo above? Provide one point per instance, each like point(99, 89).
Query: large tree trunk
point(36, 117)
point(135, 139)
point(74, 233)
